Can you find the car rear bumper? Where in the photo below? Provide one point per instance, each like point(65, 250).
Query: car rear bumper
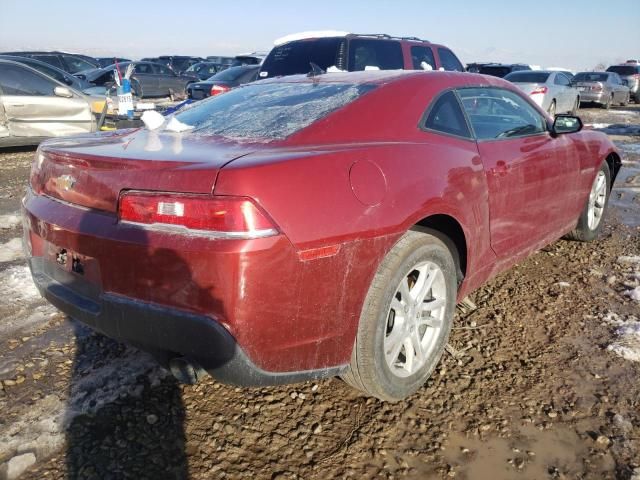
point(164, 332)
point(586, 97)
point(248, 311)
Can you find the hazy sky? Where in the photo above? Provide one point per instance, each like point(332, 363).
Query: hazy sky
point(572, 34)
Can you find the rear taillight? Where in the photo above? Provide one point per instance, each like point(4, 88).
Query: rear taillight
point(218, 89)
point(539, 91)
point(223, 217)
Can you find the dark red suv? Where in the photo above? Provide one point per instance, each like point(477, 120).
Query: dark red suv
point(352, 52)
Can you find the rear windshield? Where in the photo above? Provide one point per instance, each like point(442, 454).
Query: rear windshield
point(624, 69)
point(268, 112)
point(527, 77)
point(495, 71)
point(231, 74)
point(295, 57)
point(590, 77)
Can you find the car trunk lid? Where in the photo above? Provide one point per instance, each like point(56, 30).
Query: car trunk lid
point(530, 87)
point(93, 171)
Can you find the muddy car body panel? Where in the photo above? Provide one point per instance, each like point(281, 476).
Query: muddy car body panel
point(336, 195)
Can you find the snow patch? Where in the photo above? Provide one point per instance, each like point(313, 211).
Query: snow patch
point(12, 250)
point(627, 343)
point(597, 125)
point(40, 428)
point(630, 147)
point(9, 221)
point(311, 34)
point(17, 284)
point(634, 293)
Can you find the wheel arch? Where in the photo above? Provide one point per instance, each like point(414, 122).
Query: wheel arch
point(615, 163)
point(450, 231)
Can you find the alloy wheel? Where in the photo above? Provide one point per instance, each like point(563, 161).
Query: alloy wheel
point(415, 319)
point(597, 200)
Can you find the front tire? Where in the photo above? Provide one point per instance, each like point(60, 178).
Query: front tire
point(406, 318)
point(592, 217)
point(552, 109)
point(576, 106)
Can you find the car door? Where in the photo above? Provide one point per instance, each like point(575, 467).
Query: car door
point(33, 109)
point(146, 77)
point(167, 80)
point(448, 61)
point(532, 177)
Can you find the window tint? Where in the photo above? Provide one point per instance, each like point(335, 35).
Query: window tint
point(162, 70)
point(494, 71)
point(51, 60)
point(144, 68)
point(561, 80)
point(231, 74)
point(590, 77)
point(15, 80)
point(497, 113)
point(624, 69)
point(47, 70)
point(76, 64)
point(383, 54)
point(294, 57)
point(249, 76)
point(449, 61)
point(446, 116)
point(268, 111)
point(527, 77)
point(420, 55)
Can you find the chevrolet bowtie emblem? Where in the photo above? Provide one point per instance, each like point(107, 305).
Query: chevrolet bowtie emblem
point(66, 182)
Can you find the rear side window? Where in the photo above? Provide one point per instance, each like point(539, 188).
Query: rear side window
point(294, 58)
point(422, 58)
point(561, 80)
point(15, 80)
point(143, 68)
point(269, 111)
point(449, 61)
point(496, 113)
point(162, 70)
point(446, 116)
point(51, 60)
point(381, 54)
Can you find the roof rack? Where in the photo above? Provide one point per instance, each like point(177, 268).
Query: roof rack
point(386, 36)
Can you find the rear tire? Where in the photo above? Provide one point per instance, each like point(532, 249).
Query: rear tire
point(592, 217)
point(406, 318)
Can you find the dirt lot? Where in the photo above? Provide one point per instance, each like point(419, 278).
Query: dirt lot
point(542, 381)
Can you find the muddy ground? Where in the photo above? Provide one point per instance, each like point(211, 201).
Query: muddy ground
point(541, 381)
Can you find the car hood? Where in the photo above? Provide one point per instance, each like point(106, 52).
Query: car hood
point(92, 171)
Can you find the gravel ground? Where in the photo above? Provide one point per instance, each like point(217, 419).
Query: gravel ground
point(541, 381)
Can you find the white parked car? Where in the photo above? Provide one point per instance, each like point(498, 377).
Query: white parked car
point(551, 90)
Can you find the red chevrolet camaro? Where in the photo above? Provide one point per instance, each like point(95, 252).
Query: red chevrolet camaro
point(310, 226)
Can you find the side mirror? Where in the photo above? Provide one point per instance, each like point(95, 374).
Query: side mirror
point(566, 124)
point(62, 92)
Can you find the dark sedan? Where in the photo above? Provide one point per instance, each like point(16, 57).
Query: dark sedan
point(223, 81)
point(148, 79)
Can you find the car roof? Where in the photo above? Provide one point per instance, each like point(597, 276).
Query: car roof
point(336, 33)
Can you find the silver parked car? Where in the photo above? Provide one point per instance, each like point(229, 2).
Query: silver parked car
point(603, 88)
point(34, 106)
point(551, 90)
point(630, 73)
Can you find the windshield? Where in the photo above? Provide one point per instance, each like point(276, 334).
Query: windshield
point(271, 111)
point(295, 57)
point(624, 69)
point(590, 77)
point(527, 77)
